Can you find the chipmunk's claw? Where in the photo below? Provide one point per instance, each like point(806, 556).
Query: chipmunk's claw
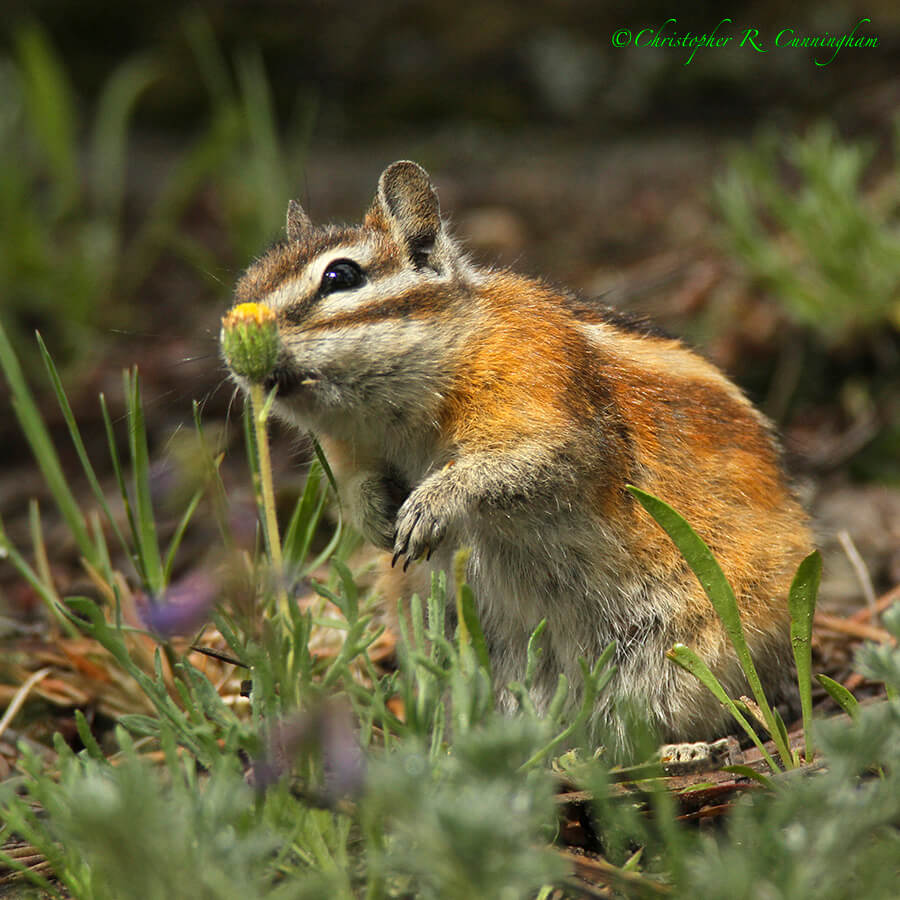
point(421, 525)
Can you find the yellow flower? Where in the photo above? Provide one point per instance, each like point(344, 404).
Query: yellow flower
point(250, 342)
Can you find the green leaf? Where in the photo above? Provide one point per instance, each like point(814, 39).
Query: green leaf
point(533, 653)
point(594, 680)
point(351, 591)
point(688, 660)
point(88, 613)
point(802, 605)
point(87, 738)
point(476, 635)
point(718, 590)
point(748, 772)
point(206, 696)
point(142, 726)
point(847, 702)
point(347, 600)
point(560, 696)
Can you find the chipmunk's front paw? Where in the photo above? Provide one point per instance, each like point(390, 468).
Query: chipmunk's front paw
point(421, 525)
point(379, 498)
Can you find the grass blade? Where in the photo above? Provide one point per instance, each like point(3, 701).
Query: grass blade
point(159, 228)
point(802, 605)
point(8, 551)
point(75, 434)
point(51, 111)
point(109, 138)
point(180, 529)
point(42, 447)
point(267, 169)
point(39, 547)
point(329, 550)
point(43, 568)
point(212, 65)
point(148, 545)
point(102, 549)
point(323, 462)
point(120, 480)
point(716, 586)
point(305, 519)
point(211, 462)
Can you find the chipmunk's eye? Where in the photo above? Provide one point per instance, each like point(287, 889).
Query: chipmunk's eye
point(341, 275)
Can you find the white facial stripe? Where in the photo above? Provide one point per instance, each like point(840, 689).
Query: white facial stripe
point(342, 302)
point(287, 292)
point(308, 281)
point(377, 341)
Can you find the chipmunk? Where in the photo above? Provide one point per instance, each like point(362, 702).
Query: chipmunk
point(461, 405)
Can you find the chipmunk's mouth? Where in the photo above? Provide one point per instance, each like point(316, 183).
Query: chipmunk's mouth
point(290, 381)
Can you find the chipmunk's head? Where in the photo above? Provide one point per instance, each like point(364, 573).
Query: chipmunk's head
point(356, 307)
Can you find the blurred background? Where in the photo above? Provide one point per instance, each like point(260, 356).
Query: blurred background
point(747, 201)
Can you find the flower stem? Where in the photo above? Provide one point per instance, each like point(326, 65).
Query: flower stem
point(273, 542)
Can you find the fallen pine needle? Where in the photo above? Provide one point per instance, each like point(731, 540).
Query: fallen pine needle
point(853, 628)
point(20, 697)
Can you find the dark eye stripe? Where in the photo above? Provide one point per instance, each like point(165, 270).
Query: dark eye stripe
point(341, 275)
point(423, 303)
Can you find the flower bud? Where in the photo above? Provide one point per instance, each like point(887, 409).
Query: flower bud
point(250, 341)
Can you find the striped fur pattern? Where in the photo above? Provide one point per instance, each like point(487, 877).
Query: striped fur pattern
point(466, 406)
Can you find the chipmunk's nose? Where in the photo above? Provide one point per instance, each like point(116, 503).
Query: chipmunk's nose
point(277, 378)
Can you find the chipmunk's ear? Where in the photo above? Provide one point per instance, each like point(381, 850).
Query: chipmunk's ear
point(298, 222)
point(408, 203)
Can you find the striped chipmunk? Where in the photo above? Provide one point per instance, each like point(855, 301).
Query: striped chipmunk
point(467, 406)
